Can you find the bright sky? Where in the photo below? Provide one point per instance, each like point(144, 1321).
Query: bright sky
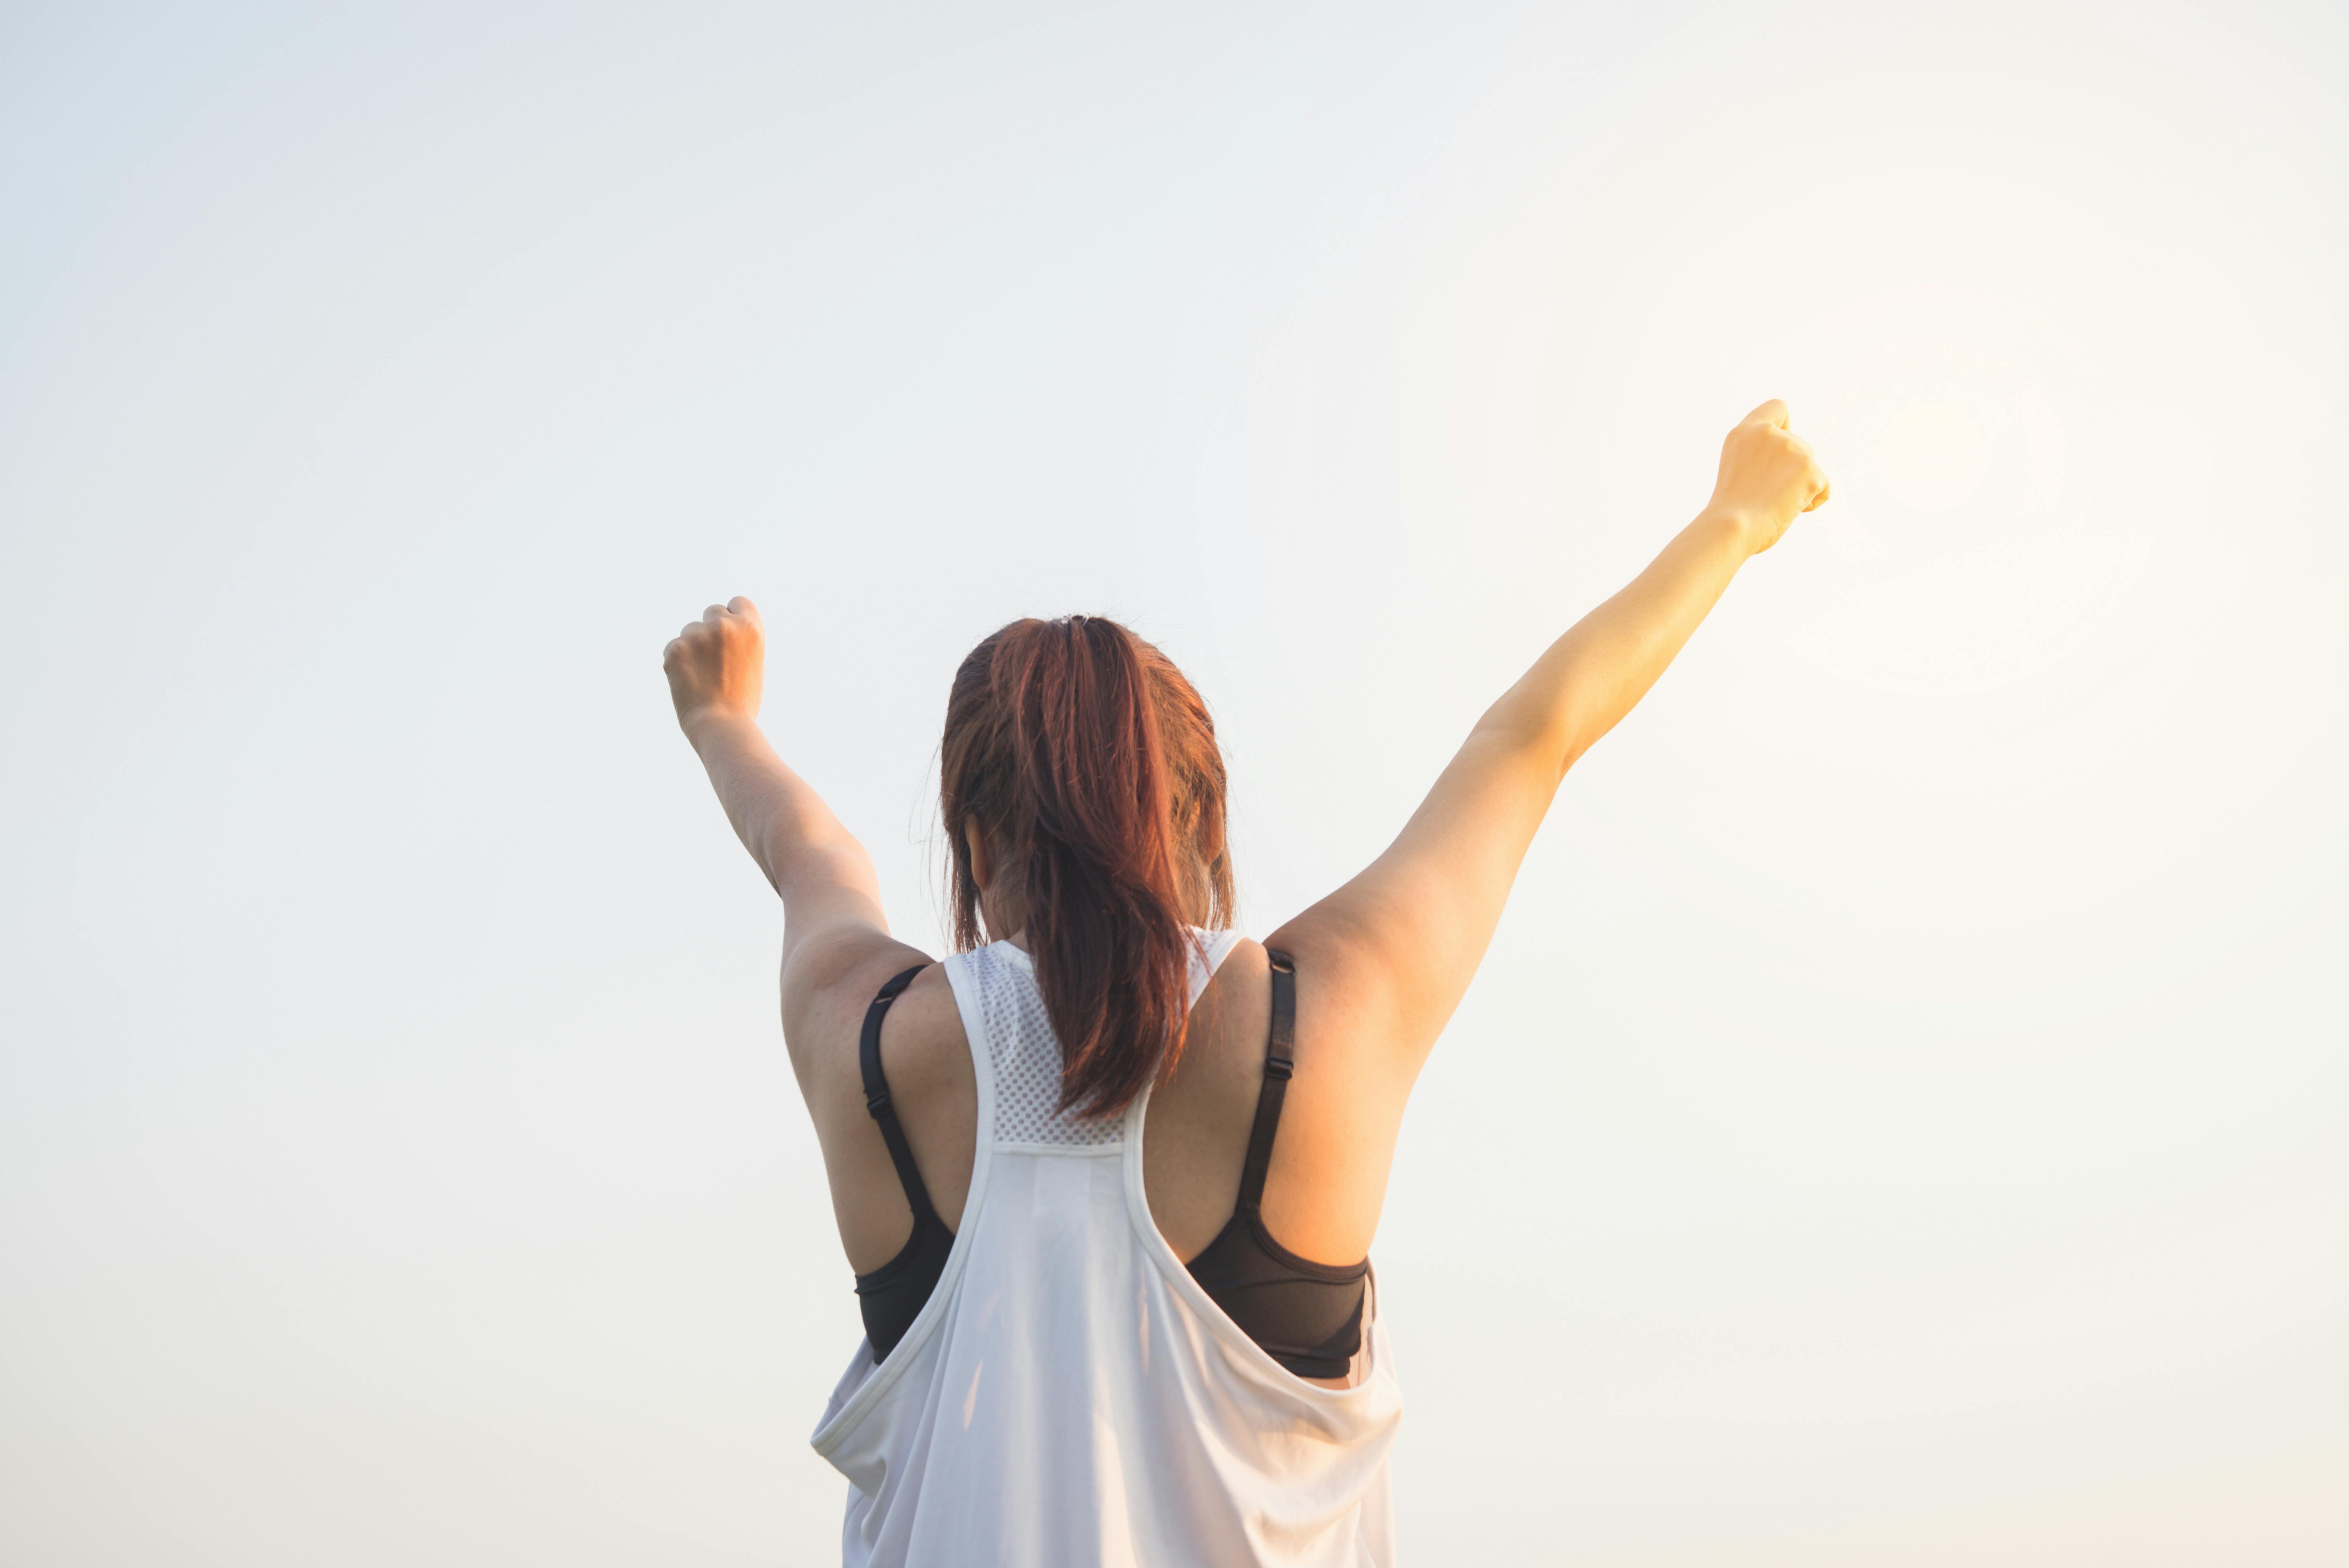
point(1901, 1117)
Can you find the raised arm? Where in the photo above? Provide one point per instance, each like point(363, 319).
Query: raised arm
point(1395, 948)
point(832, 922)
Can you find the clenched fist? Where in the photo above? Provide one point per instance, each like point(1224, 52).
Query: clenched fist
point(1768, 476)
point(717, 665)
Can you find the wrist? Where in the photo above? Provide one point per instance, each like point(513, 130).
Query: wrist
point(1729, 527)
point(709, 721)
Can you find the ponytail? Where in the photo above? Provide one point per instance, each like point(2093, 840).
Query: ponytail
point(1089, 766)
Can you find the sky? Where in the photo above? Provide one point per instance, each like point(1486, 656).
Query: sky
point(1901, 1117)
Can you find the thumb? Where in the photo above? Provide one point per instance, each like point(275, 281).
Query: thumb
point(1773, 412)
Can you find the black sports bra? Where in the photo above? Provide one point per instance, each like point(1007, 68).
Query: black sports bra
point(1307, 1315)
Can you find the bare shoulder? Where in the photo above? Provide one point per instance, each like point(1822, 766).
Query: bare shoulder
point(1232, 1009)
point(1221, 1069)
point(1342, 1004)
point(925, 1045)
point(829, 983)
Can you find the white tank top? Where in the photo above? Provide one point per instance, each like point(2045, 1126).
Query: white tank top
point(1069, 1395)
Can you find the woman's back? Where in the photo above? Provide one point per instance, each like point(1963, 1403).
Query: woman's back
point(1329, 1167)
point(1069, 1393)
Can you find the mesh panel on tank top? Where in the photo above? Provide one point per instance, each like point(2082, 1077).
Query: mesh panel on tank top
point(1026, 1056)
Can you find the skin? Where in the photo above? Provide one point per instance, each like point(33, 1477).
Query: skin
point(1380, 962)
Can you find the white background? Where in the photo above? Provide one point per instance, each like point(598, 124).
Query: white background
point(1901, 1120)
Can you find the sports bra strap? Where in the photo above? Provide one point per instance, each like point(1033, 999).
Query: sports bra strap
point(1279, 1061)
point(877, 1096)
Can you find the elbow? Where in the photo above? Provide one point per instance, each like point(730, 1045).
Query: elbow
point(1549, 743)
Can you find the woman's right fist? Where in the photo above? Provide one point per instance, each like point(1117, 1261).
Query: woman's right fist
point(717, 665)
point(1768, 477)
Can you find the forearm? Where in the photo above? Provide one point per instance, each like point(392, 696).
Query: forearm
point(1403, 938)
point(785, 823)
point(1598, 672)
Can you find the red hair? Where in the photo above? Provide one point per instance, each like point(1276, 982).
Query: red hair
point(1089, 766)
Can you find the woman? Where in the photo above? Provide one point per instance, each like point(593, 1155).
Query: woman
point(1108, 1180)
